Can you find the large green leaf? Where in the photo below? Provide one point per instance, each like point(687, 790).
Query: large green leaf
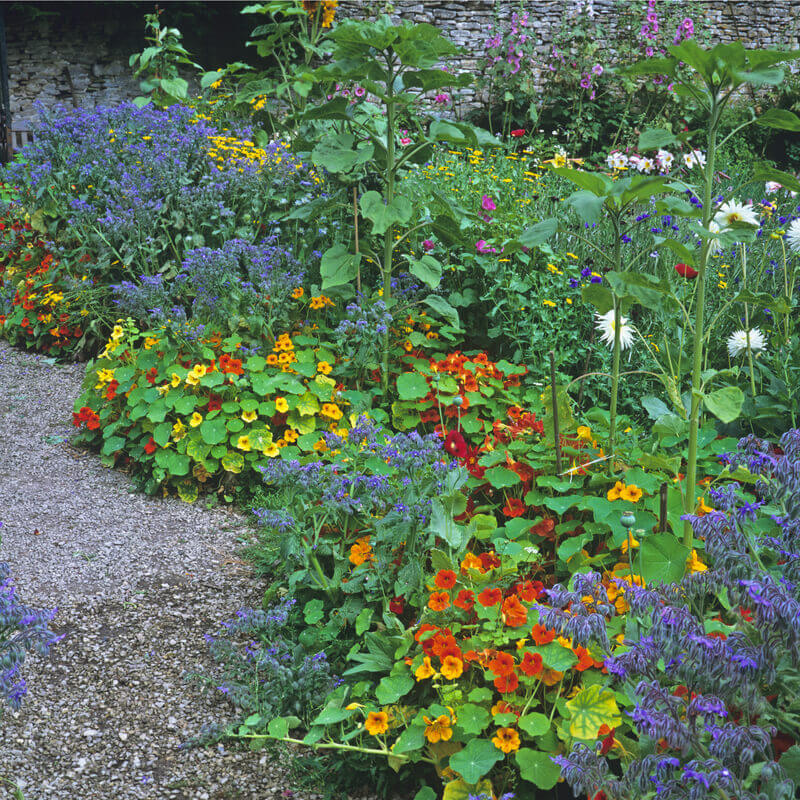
point(443, 308)
point(587, 205)
point(392, 688)
point(655, 138)
point(539, 233)
point(339, 154)
point(662, 558)
point(779, 118)
point(725, 403)
point(213, 431)
point(534, 724)
point(427, 269)
point(338, 266)
point(537, 768)
point(502, 477)
point(592, 708)
point(473, 718)
point(594, 182)
point(412, 386)
point(383, 215)
point(475, 760)
point(763, 171)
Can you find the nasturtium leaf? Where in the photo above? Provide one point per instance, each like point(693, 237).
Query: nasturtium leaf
point(307, 405)
point(112, 444)
point(213, 431)
point(412, 738)
point(161, 434)
point(592, 708)
point(537, 768)
point(555, 656)
point(480, 695)
point(475, 760)
point(185, 404)
point(461, 790)
point(534, 724)
point(233, 462)
point(412, 386)
point(502, 477)
point(425, 793)
point(332, 715)
point(662, 558)
point(187, 492)
point(392, 688)
point(473, 718)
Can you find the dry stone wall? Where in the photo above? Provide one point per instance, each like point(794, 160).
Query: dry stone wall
point(63, 58)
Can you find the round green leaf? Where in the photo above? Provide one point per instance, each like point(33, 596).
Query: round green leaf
point(475, 760)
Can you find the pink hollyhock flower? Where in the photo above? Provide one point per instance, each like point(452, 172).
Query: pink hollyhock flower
point(427, 245)
point(487, 204)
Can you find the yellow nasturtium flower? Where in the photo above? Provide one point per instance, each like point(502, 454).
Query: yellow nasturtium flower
point(196, 419)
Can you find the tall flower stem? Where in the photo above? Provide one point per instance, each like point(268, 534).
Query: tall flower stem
point(747, 325)
point(612, 411)
point(388, 244)
point(697, 356)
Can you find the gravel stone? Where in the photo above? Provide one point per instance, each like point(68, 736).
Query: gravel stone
point(137, 581)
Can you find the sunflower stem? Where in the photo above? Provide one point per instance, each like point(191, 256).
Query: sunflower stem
point(697, 355)
point(612, 411)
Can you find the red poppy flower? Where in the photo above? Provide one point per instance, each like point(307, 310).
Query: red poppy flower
point(514, 507)
point(455, 444)
point(490, 597)
point(465, 600)
point(685, 271)
point(506, 683)
point(397, 605)
point(517, 132)
point(531, 664)
point(514, 613)
point(445, 579)
point(150, 447)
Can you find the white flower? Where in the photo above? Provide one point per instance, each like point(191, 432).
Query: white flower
point(605, 324)
point(770, 187)
point(665, 160)
point(617, 160)
point(645, 165)
point(732, 212)
point(737, 342)
point(714, 244)
point(793, 236)
point(694, 159)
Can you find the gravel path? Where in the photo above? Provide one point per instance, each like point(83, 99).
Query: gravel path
point(137, 582)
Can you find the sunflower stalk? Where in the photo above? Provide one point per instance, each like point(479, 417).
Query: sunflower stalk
point(612, 411)
point(690, 494)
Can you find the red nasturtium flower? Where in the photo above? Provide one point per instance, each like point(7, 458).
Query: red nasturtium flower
point(517, 132)
point(438, 601)
point(214, 402)
point(515, 615)
point(545, 527)
point(445, 579)
point(465, 600)
point(489, 560)
point(490, 597)
point(531, 664)
point(397, 605)
point(502, 663)
point(506, 683)
point(150, 447)
point(455, 444)
point(529, 590)
point(514, 507)
point(542, 635)
point(111, 389)
point(685, 271)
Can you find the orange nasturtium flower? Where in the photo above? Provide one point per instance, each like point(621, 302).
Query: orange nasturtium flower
point(361, 551)
point(445, 579)
point(452, 667)
point(438, 601)
point(616, 491)
point(506, 739)
point(377, 722)
point(424, 670)
point(439, 729)
point(631, 493)
point(513, 612)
